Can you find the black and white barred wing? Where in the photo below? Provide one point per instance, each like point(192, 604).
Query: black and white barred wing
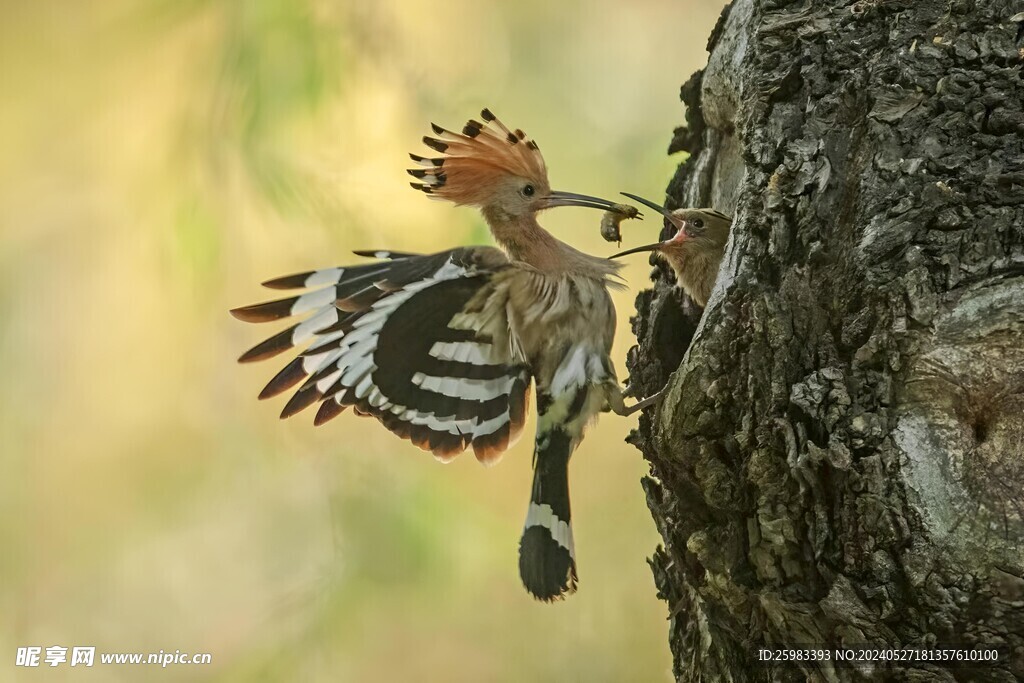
point(419, 342)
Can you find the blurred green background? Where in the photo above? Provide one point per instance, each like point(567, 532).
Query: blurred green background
point(157, 161)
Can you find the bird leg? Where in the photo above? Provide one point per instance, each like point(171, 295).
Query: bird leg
point(619, 407)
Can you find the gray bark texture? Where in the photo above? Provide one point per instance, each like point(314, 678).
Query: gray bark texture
point(840, 456)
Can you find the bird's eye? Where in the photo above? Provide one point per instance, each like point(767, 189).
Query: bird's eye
point(698, 223)
point(528, 190)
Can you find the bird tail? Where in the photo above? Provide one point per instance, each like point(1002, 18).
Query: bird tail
point(547, 561)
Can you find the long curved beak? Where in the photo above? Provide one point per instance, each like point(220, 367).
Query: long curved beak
point(646, 247)
point(646, 202)
point(572, 199)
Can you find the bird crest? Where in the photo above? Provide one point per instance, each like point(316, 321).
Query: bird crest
point(472, 161)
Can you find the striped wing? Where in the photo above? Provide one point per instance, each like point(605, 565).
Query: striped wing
point(419, 342)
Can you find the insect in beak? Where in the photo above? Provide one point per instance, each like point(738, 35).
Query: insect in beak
point(657, 245)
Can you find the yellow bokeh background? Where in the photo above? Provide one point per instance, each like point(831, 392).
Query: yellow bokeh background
point(157, 161)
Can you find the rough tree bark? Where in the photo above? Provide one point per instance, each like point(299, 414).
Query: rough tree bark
point(840, 458)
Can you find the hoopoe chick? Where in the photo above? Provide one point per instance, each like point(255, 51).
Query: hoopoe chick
point(442, 348)
point(695, 251)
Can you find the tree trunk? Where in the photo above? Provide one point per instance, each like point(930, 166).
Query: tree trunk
point(840, 456)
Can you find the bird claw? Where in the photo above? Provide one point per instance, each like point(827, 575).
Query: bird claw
point(619, 406)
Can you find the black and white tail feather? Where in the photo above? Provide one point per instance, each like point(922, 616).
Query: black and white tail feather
point(565, 406)
point(402, 340)
point(547, 554)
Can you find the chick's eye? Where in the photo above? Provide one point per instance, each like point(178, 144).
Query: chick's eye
point(528, 190)
point(698, 223)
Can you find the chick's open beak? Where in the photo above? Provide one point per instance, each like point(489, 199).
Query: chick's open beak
point(634, 250)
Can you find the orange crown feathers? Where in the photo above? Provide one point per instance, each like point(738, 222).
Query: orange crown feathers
point(475, 160)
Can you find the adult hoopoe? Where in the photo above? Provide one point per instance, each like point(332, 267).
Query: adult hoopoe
point(695, 251)
point(442, 348)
